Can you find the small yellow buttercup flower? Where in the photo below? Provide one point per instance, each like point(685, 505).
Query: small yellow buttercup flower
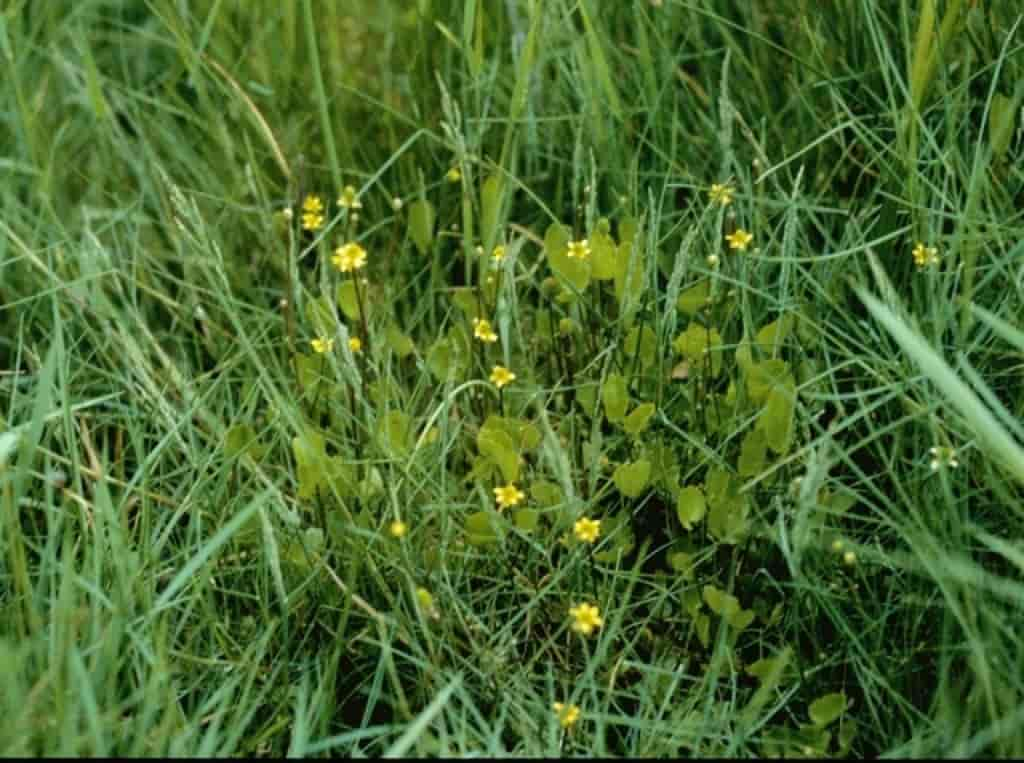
point(426, 603)
point(587, 530)
point(586, 618)
point(579, 249)
point(499, 253)
point(355, 344)
point(721, 193)
point(509, 495)
point(312, 213)
point(322, 345)
point(501, 376)
point(398, 528)
point(567, 714)
point(483, 331)
point(349, 257)
point(348, 199)
point(925, 256)
point(740, 239)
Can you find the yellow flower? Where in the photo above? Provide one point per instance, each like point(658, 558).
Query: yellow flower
point(348, 199)
point(322, 345)
point(721, 193)
point(586, 617)
point(587, 530)
point(398, 528)
point(312, 213)
point(501, 376)
point(509, 495)
point(579, 249)
point(739, 240)
point(498, 254)
point(426, 603)
point(349, 257)
point(567, 714)
point(483, 331)
point(453, 176)
point(925, 256)
point(355, 344)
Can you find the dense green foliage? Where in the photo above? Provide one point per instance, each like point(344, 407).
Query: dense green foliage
point(350, 351)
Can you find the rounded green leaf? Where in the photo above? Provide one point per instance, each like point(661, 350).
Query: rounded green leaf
point(826, 709)
point(638, 419)
point(401, 344)
point(631, 479)
point(690, 506)
point(693, 300)
point(481, 529)
point(421, 224)
point(753, 451)
point(393, 432)
point(776, 420)
point(500, 448)
point(347, 299)
point(526, 519)
point(604, 256)
point(615, 396)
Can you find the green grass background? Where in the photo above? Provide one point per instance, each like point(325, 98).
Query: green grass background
point(158, 591)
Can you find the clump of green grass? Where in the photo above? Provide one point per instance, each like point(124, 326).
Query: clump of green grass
point(461, 378)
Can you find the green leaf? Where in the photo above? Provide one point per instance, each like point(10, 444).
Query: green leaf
point(603, 256)
point(727, 519)
point(631, 479)
point(401, 344)
point(682, 562)
point(310, 461)
point(347, 299)
point(720, 602)
point(465, 299)
point(526, 519)
point(693, 300)
point(628, 228)
point(586, 397)
point(241, 439)
point(701, 346)
point(641, 342)
point(500, 448)
point(629, 277)
point(1000, 124)
point(490, 207)
point(765, 376)
point(824, 710)
point(481, 529)
point(393, 432)
point(690, 506)
point(776, 420)
point(774, 333)
point(638, 419)
point(421, 224)
point(770, 670)
point(572, 270)
point(546, 494)
point(752, 453)
point(620, 540)
point(615, 396)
